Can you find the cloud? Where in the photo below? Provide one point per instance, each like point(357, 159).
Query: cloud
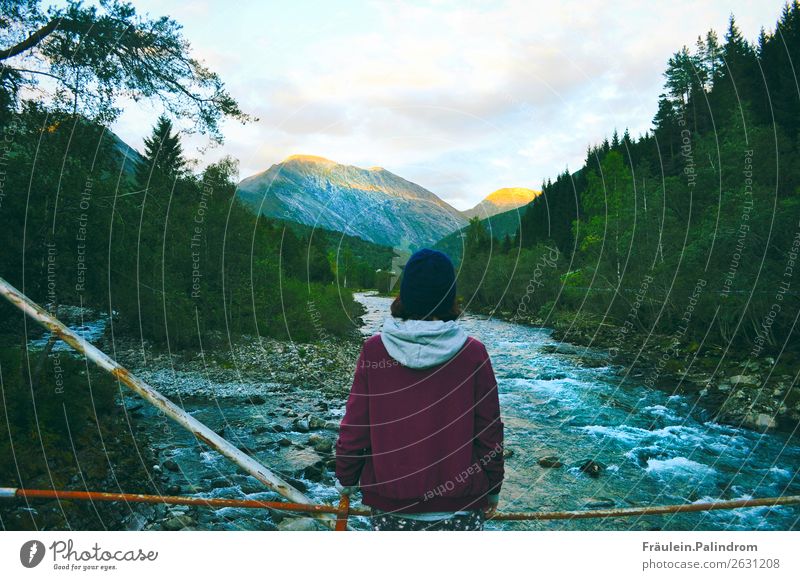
point(462, 98)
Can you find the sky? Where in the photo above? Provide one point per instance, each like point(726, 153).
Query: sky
point(462, 98)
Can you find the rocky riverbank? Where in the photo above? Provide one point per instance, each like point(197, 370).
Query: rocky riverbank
point(278, 401)
point(759, 394)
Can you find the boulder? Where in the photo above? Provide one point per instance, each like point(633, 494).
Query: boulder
point(599, 502)
point(592, 468)
point(549, 461)
point(301, 425)
point(298, 459)
point(299, 525)
point(745, 380)
point(171, 465)
point(320, 444)
point(179, 522)
point(761, 421)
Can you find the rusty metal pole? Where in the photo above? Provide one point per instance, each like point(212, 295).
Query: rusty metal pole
point(148, 393)
point(342, 513)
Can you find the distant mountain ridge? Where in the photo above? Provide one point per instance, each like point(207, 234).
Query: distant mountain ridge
point(374, 204)
point(502, 200)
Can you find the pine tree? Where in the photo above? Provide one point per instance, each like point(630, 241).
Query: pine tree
point(163, 156)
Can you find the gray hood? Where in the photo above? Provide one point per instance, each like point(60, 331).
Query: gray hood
point(420, 344)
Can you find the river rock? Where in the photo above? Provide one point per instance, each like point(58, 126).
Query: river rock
point(599, 502)
point(179, 522)
point(298, 484)
point(315, 472)
point(277, 515)
point(508, 453)
point(136, 523)
point(298, 459)
point(761, 421)
point(171, 465)
point(550, 461)
point(316, 423)
point(745, 380)
point(284, 442)
point(320, 444)
point(257, 400)
point(298, 525)
point(592, 468)
point(301, 425)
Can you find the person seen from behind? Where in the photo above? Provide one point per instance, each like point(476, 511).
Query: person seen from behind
point(422, 436)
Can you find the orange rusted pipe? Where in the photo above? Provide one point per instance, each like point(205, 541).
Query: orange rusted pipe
point(344, 505)
point(343, 513)
point(10, 492)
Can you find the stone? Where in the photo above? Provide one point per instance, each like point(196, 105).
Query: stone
point(298, 525)
point(746, 380)
point(599, 502)
point(315, 472)
point(316, 423)
point(136, 523)
point(301, 425)
point(320, 444)
point(171, 465)
point(179, 522)
point(762, 421)
point(508, 453)
point(592, 468)
point(298, 459)
point(284, 442)
point(257, 400)
point(549, 461)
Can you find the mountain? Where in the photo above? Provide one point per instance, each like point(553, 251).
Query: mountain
point(373, 203)
point(499, 226)
point(502, 200)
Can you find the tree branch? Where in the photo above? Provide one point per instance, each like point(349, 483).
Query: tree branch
point(31, 41)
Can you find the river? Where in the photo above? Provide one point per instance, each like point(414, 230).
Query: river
point(556, 400)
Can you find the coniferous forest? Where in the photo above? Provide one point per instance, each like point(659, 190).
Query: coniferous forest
point(691, 230)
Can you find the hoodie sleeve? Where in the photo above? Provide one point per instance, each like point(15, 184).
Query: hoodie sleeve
point(353, 444)
point(488, 440)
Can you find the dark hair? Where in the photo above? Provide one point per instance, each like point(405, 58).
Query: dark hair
point(400, 311)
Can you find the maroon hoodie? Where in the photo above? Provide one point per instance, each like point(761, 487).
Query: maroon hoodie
point(422, 439)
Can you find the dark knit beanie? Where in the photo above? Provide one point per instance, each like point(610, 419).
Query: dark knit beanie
point(428, 285)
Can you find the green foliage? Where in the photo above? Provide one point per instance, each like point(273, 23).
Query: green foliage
point(86, 57)
point(44, 414)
